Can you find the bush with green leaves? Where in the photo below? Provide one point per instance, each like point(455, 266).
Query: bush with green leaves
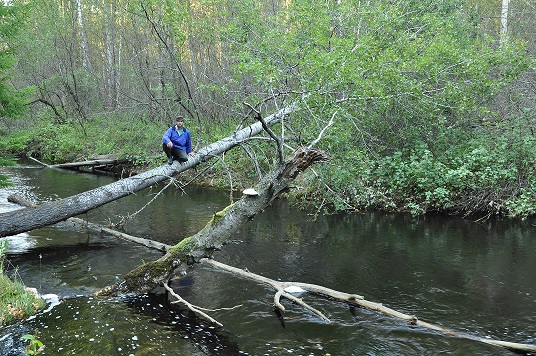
point(477, 176)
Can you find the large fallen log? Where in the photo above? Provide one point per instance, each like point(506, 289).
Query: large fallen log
point(220, 229)
point(14, 222)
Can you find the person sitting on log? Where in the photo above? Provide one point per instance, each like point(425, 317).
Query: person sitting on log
point(177, 142)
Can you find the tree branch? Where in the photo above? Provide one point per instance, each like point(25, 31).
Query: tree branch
point(191, 306)
point(355, 300)
point(278, 141)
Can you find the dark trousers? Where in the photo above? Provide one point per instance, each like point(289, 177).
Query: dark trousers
point(179, 155)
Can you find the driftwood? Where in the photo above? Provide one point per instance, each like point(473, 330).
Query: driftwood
point(354, 300)
point(14, 222)
point(92, 162)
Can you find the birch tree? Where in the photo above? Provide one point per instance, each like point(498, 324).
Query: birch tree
point(504, 20)
point(84, 46)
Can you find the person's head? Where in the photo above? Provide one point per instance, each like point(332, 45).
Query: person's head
point(180, 121)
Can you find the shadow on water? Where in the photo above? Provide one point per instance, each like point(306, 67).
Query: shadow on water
point(210, 339)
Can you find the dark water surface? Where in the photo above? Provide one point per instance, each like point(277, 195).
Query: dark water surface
point(472, 277)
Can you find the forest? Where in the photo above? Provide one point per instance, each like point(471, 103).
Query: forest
point(421, 106)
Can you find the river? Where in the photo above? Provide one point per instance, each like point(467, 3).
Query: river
point(477, 277)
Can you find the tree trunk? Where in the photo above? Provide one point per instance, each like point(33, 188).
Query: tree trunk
point(27, 219)
point(84, 47)
point(223, 225)
point(504, 21)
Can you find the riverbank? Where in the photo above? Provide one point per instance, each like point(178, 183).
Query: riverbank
point(16, 302)
point(478, 175)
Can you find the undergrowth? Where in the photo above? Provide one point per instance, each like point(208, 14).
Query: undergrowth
point(485, 171)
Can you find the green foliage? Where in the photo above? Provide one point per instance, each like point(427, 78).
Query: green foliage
point(12, 101)
point(15, 142)
point(523, 204)
point(4, 180)
point(15, 301)
point(403, 69)
point(35, 346)
point(478, 175)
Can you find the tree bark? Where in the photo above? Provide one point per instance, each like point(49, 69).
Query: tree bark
point(84, 47)
point(150, 276)
point(15, 222)
point(504, 21)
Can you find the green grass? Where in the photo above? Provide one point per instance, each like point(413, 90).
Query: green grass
point(15, 301)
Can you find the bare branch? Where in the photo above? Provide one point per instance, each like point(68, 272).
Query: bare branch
point(278, 141)
point(312, 144)
point(358, 300)
point(191, 306)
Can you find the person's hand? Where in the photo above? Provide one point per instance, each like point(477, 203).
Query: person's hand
point(170, 144)
point(191, 154)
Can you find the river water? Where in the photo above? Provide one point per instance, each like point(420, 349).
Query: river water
point(473, 277)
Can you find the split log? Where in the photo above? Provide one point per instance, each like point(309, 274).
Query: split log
point(86, 163)
point(15, 222)
point(93, 162)
point(219, 230)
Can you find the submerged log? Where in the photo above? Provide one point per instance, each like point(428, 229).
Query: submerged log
point(13, 198)
point(355, 300)
point(92, 161)
point(98, 162)
point(15, 222)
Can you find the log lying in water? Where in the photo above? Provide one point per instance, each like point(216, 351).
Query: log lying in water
point(355, 300)
point(223, 225)
point(13, 198)
point(92, 162)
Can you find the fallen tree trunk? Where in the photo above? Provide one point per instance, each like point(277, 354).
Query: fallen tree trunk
point(14, 222)
point(218, 231)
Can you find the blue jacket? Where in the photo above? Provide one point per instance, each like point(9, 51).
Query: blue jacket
point(182, 142)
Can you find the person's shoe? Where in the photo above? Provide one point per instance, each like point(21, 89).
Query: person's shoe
point(170, 161)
